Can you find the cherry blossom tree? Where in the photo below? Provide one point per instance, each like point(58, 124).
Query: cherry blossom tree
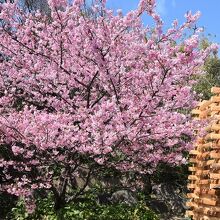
point(79, 91)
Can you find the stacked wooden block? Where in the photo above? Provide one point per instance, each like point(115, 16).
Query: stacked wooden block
point(204, 181)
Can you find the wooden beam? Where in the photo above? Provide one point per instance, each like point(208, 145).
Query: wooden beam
point(205, 104)
point(214, 99)
point(215, 90)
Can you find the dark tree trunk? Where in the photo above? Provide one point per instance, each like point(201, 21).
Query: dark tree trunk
point(147, 185)
point(59, 204)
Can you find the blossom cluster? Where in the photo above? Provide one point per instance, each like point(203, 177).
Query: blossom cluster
point(101, 87)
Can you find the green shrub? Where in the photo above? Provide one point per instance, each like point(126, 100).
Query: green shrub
point(87, 210)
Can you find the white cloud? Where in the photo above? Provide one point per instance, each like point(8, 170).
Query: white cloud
point(161, 7)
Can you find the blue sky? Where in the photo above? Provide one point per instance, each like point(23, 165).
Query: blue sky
point(175, 9)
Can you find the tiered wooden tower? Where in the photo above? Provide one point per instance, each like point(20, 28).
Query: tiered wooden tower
point(204, 181)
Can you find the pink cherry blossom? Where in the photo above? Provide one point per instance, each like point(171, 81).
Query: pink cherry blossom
point(84, 92)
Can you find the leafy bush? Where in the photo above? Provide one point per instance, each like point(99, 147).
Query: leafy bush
point(89, 209)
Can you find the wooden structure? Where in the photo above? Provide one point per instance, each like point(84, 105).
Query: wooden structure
point(204, 181)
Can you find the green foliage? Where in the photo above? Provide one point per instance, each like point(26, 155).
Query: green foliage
point(89, 209)
point(210, 79)
point(44, 210)
point(212, 74)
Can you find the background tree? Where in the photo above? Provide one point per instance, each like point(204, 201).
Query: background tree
point(211, 76)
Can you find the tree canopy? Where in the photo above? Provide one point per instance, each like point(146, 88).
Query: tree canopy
point(96, 91)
